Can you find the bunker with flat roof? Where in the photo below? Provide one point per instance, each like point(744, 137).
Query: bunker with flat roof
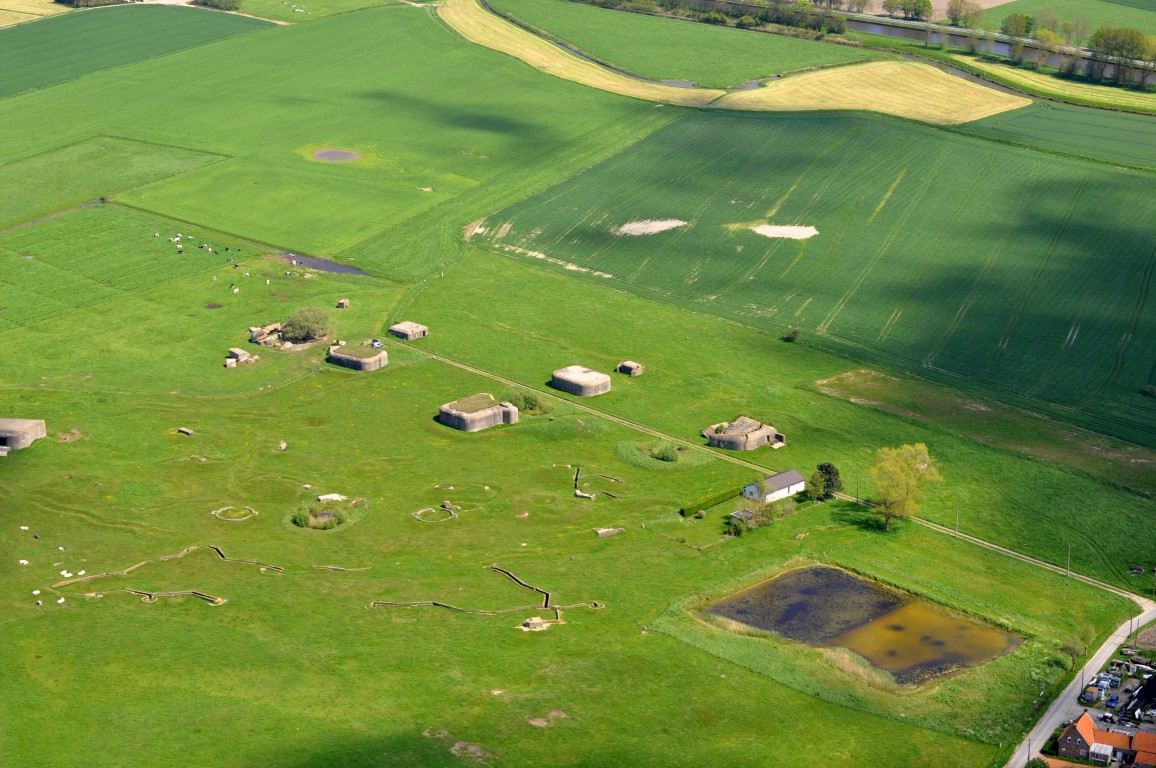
point(581, 381)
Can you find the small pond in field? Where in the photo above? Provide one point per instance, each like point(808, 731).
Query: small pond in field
point(896, 632)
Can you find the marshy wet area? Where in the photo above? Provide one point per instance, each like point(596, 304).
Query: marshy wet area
point(896, 632)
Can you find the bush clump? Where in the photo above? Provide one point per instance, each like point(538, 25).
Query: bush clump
point(220, 5)
point(318, 518)
point(306, 324)
point(665, 452)
point(1149, 391)
point(792, 335)
point(529, 401)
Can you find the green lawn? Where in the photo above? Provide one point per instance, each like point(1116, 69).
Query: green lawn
point(670, 49)
point(104, 38)
point(1139, 14)
point(959, 258)
point(1112, 137)
point(98, 167)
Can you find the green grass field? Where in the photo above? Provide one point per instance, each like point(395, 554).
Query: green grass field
point(104, 38)
point(1111, 137)
point(1139, 14)
point(913, 264)
point(669, 49)
point(284, 10)
point(116, 341)
point(77, 173)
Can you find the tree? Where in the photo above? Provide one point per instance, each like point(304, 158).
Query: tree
point(1017, 25)
point(831, 480)
point(893, 7)
point(1047, 19)
point(1123, 45)
point(817, 486)
point(1037, 762)
point(964, 13)
point(1068, 28)
point(1080, 29)
point(1049, 42)
point(899, 476)
point(916, 9)
point(306, 325)
point(859, 6)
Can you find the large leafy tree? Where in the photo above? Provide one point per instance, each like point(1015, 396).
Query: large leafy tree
point(900, 476)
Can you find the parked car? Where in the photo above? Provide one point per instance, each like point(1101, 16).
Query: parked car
point(1113, 700)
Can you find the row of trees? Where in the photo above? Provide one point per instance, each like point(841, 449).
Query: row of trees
point(916, 10)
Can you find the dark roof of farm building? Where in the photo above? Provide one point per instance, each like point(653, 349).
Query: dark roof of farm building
point(785, 480)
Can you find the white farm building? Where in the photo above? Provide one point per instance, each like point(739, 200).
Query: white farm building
point(776, 487)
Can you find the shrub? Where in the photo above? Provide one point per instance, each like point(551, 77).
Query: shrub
point(747, 22)
point(307, 517)
point(529, 401)
point(1149, 391)
point(713, 17)
point(792, 335)
point(306, 325)
point(220, 5)
point(665, 452)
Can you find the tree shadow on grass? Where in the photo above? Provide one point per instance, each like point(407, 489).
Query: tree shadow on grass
point(859, 516)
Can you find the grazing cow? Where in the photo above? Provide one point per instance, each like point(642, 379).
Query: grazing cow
point(236, 291)
point(213, 279)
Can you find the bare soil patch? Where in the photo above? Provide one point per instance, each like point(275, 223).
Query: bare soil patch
point(649, 226)
point(1147, 638)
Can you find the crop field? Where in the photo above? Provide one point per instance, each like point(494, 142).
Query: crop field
point(419, 124)
point(102, 38)
point(911, 262)
point(670, 49)
point(1139, 14)
point(284, 10)
point(1112, 137)
point(1078, 91)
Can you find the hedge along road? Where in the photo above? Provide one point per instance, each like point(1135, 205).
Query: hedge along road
point(1054, 715)
point(900, 88)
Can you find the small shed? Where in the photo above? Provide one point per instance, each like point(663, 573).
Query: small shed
point(477, 412)
point(581, 381)
point(16, 434)
point(776, 487)
point(408, 331)
point(343, 304)
point(630, 368)
point(359, 358)
point(743, 434)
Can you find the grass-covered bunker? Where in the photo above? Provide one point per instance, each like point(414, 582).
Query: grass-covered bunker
point(477, 412)
point(359, 358)
point(743, 434)
point(581, 381)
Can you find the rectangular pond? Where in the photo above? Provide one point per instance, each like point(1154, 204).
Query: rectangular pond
point(896, 632)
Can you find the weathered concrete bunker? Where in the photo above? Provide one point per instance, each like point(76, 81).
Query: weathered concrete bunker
point(477, 412)
point(743, 434)
point(19, 433)
point(359, 358)
point(408, 331)
point(630, 368)
point(581, 381)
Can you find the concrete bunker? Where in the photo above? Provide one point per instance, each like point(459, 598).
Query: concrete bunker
point(743, 434)
point(361, 357)
point(581, 381)
point(16, 434)
point(630, 368)
point(477, 412)
point(408, 331)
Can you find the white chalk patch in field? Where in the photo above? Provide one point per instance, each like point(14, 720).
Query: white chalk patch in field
point(648, 226)
point(792, 233)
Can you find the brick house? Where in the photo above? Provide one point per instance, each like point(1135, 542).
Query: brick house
point(1084, 741)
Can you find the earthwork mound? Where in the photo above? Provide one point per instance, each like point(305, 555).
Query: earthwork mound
point(334, 155)
point(233, 514)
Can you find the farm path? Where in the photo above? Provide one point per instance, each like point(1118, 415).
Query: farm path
point(1059, 708)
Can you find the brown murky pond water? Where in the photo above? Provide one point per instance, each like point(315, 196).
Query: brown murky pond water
point(896, 632)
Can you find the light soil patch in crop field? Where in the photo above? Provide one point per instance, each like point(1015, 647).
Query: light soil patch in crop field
point(649, 226)
point(901, 88)
point(102, 38)
point(8, 18)
point(676, 49)
point(1074, 90)
point(996, 277)
point(904, 89)
point(477, 25)
point(34, 7)
point(992, 423)
point(788, 232)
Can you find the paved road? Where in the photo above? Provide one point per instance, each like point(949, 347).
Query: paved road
point(1060, 710)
